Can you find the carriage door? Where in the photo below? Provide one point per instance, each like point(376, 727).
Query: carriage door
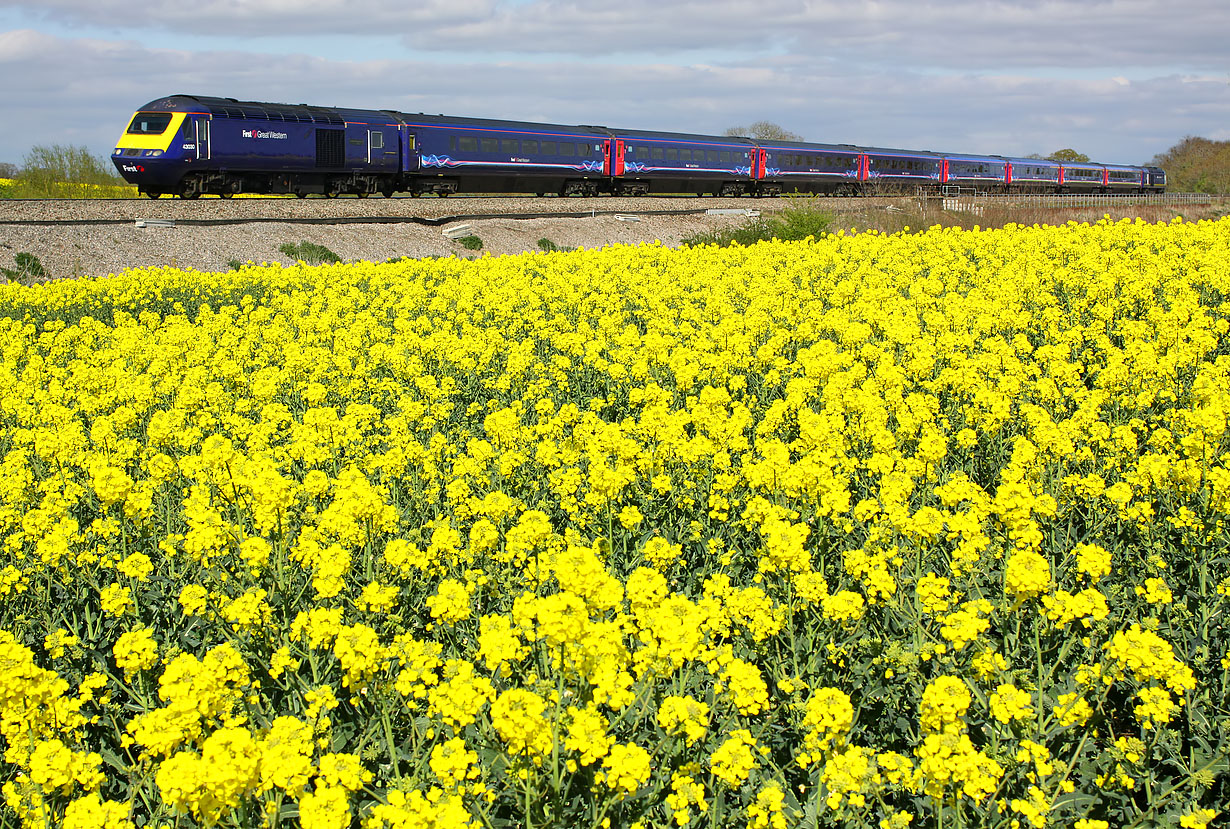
point(619, 158)
point(409, 152)
point(606, 158)
point(202, 138)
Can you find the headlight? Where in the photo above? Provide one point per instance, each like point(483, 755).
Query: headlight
point(153, 153)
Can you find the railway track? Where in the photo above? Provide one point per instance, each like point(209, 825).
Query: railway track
point(427, 212)
point(433, 212)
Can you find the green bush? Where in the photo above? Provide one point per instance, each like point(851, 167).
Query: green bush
point(470, 242)
point(309, 253)
point(28, 269)
point(796, 222)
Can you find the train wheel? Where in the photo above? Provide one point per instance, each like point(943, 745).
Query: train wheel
point(153, 194)
point(227, 195)
point(299, 194)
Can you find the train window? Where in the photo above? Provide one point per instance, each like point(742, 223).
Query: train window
point(529, 147)
point(510, 146)
point(672, 154)
point(377, 139)
point(467, 144)
point(548, 148)
point(452, 143)
point(724, 156)
point(491, 145)
point(711, 156)
point(685, 155)
point(567, 148)
point(658, 153)
point(149, 123)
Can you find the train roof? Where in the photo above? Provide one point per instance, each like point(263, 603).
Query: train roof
point(1038, 162)
point(494, 124)
point(906, 153)
point(233, 108)
point(994, 159)
point(686, 137)
point(806, 146)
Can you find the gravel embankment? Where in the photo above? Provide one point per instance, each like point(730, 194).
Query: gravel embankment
point(75, 250)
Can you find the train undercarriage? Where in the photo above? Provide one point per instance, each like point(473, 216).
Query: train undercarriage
point(228, 184)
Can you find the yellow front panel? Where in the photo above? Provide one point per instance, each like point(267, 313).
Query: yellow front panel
point(130, 141)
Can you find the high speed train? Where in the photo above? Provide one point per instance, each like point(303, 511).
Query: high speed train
point(193, 145)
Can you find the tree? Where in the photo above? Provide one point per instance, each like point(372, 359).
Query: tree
point(1069, 155)
point(764, 130)
point(7, 170)
point(47, 167)
point(1196, 165)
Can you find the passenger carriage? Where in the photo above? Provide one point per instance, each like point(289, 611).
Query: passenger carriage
point(644, 162)
point(976, 172)
point(797, 166)
point(1033, 175)
point(900, 170)
point(445, 154)
point(1082, 178)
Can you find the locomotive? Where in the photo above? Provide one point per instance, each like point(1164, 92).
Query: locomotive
point(192, 145)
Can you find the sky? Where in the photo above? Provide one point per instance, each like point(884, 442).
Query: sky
point(1119, 80)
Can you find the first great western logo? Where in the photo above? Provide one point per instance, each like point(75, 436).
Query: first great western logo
point(259, 134)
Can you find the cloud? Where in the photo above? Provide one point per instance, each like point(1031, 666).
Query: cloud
point(81, 91)
point(258, 18)
point(944, 34)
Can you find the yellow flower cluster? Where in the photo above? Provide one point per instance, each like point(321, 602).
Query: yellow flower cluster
point(898, 531)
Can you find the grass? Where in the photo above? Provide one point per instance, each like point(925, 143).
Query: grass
point(470, 242)
point(808, 216)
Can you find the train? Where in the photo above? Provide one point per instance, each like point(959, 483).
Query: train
point(193, 145)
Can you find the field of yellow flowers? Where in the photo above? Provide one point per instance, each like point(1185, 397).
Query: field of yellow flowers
point(869, 531)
